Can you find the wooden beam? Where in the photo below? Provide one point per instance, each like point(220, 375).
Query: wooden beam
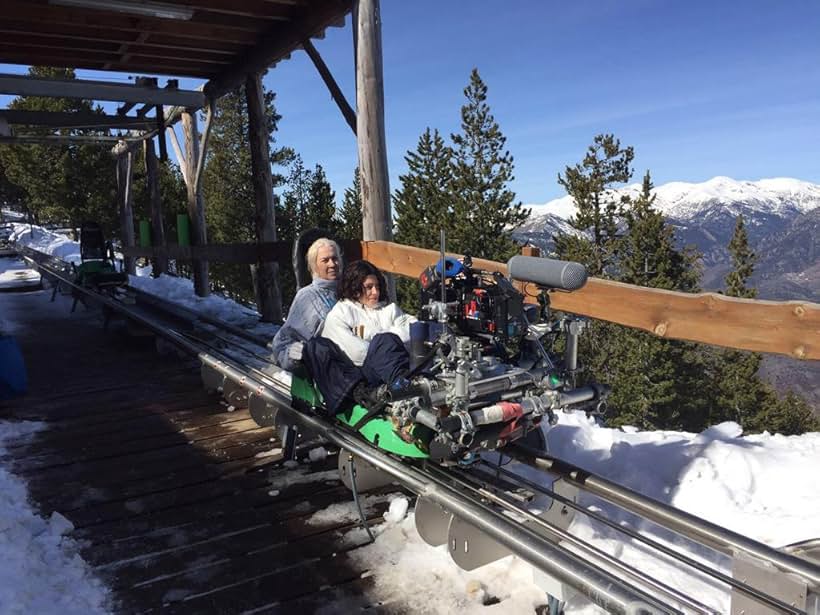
point(125, 185)
point(60, 139)
point(212, 28)
point(58, 119)
point(269, 297)
point(196, 205)
point(160, 264)
point(204, 25)
point(23, 85)
point(335, 91)
point(120, 52)
point(377, 220)
point(782, 327)
point(96, 35)
point(233, 253)
point(376, 217)
point(22, 54)
point(276, 42)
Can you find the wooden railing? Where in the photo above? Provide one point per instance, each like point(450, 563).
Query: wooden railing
point(783, 327)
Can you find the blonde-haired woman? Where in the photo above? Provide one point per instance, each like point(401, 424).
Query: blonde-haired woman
point(311, 304)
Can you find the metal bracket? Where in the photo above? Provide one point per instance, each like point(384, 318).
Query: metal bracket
point(235, 394)
point(768, 579)
point(558, 514)
point(470, 548)
point(432, 521)
point(368, 477)
point(212, 380)
point(261, 411)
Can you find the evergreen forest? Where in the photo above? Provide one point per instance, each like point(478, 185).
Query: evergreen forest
point(459, 183)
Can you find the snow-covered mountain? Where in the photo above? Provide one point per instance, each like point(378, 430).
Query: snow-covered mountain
point(777, 213)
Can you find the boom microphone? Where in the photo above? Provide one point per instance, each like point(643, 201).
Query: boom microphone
point(547, 272)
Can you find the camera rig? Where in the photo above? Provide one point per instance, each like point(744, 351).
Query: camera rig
point(485, 373)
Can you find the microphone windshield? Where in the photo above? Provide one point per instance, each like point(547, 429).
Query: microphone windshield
point(547, 272)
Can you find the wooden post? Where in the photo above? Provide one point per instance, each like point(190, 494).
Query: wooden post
point(160, 263)
point(266, 279)
point(377, 222)
point(125, 197)
point(196, 207)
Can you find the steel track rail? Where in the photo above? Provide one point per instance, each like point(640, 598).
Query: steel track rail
point(605, 560)
point(661, 548)
point(680, 522)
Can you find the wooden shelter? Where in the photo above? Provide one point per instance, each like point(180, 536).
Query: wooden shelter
point(226, 43)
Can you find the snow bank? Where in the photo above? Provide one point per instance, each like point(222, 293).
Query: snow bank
point(40, 569)
point(764, 486)
point(43, 240)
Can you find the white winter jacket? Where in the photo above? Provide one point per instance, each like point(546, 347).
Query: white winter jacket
point(347, 317)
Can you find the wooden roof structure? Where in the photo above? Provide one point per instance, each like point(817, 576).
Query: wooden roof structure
point(216, 40)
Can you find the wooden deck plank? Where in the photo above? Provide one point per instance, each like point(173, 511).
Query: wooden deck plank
point(177, 502)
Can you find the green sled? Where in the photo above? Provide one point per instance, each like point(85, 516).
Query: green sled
point(378, 430)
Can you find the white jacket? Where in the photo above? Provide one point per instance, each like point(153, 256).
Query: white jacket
point(347, 316)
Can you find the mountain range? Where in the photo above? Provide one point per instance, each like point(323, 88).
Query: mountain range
point(782, 217)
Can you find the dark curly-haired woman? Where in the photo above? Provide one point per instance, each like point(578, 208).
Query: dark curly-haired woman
point(363, 339)
point(360, 315)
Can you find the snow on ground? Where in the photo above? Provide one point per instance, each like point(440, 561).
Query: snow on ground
point(40, 569)
point(14, 274)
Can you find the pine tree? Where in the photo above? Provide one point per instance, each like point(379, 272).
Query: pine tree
point(590, 183)
point(228, 187)
point(651, 376)
point(648, 254)
point(349, 218)
point(485, 211)
point(743, 263)
point(740, 393)
point(320, 211)
point(423, 205)
point(296, 198)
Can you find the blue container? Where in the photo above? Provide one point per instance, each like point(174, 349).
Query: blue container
point(13, 379)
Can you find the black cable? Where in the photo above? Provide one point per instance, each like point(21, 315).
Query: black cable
point(362, 518)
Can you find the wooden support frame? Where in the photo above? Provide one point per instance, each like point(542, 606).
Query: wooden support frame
point(160, 264)
point(782, 327)
point(58, 119)
point(196, 206)
point(24, 85)
point(335, 91)
point(125, 189)
point(376, 216)
point(266, 278)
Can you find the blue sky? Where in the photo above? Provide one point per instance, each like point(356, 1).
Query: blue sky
point(698, 88)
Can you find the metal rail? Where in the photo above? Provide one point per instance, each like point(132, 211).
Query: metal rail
point(683, 523)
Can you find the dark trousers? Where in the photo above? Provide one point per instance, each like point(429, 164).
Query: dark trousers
point(335, 375)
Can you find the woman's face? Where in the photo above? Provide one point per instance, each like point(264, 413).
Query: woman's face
point(370, 292)
point(327, 263)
